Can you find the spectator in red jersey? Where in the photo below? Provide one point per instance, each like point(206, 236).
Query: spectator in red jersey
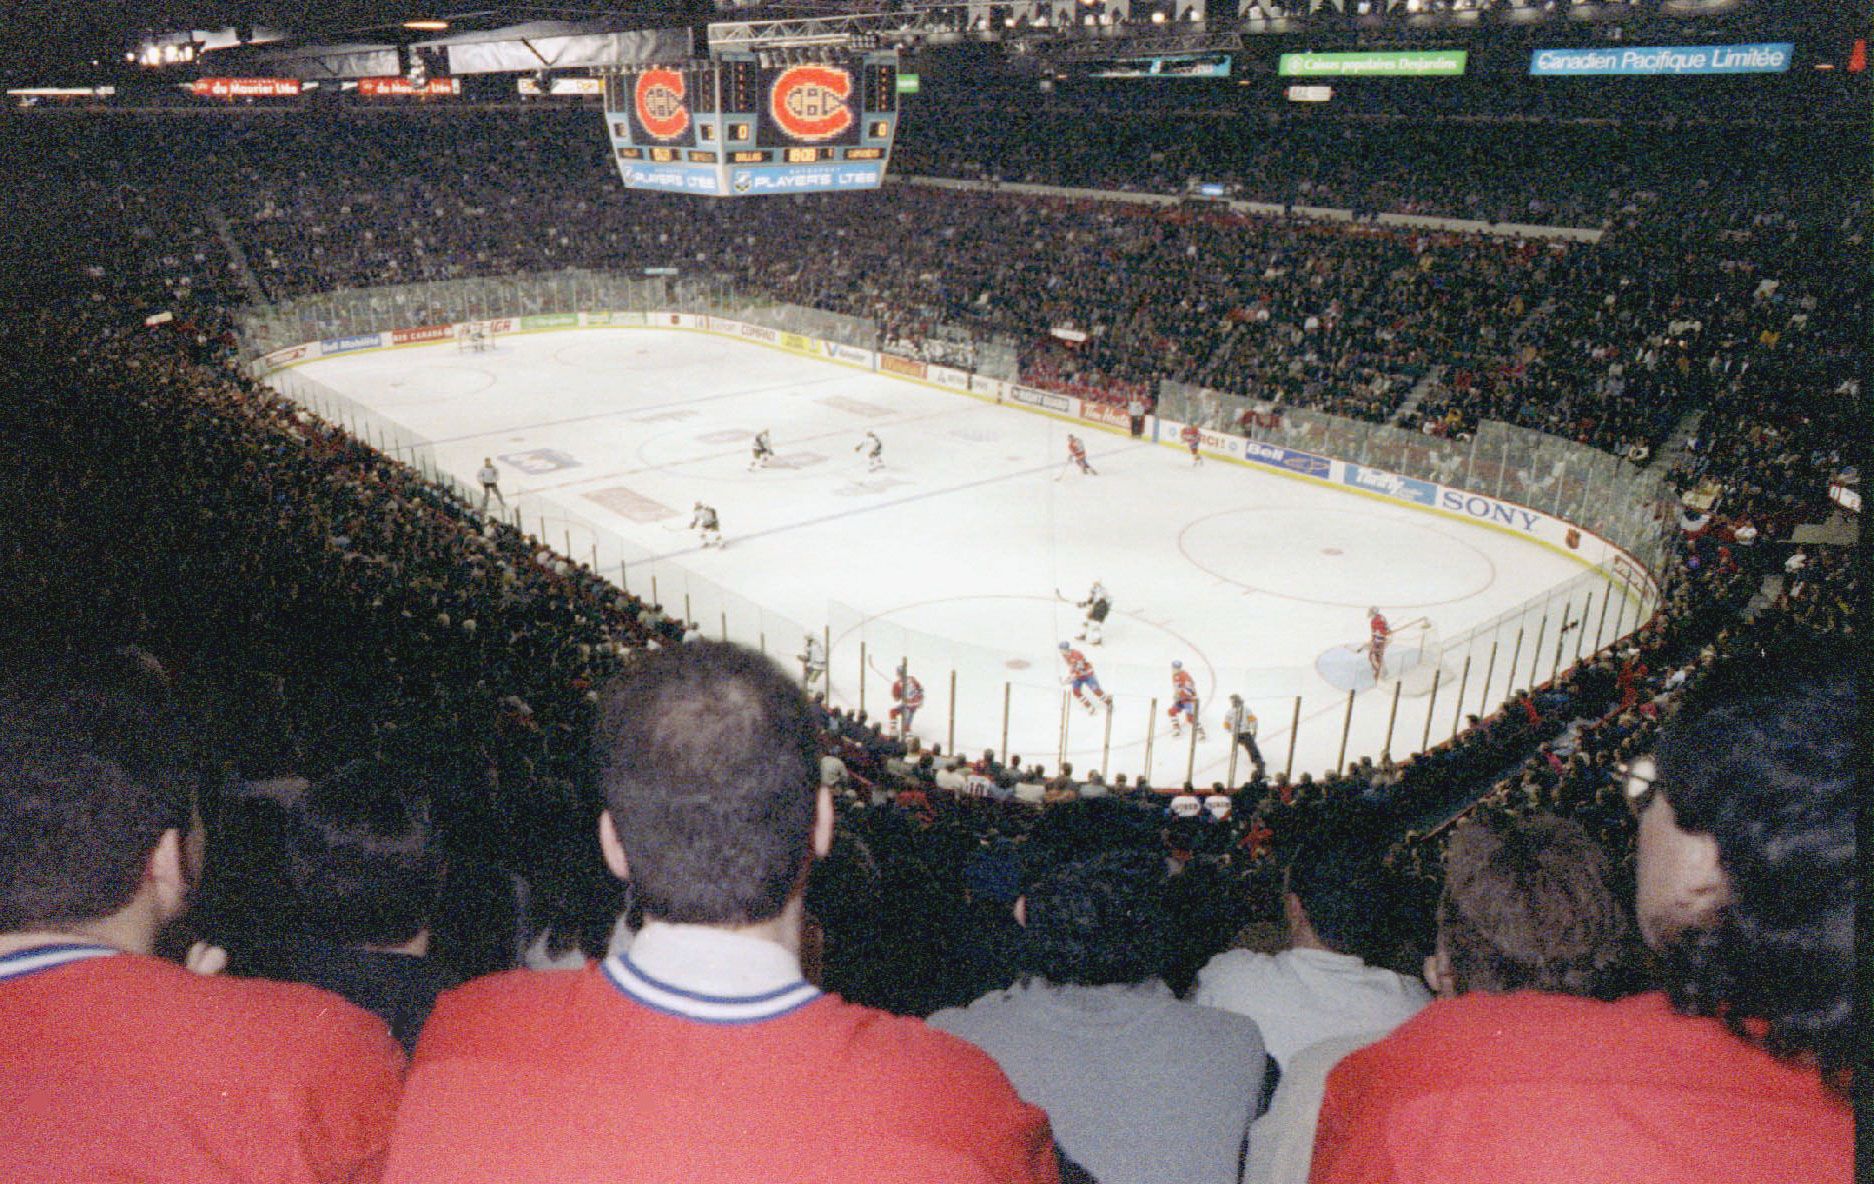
point(703, 1054)
point(1738, 1071)
point(117, 1064)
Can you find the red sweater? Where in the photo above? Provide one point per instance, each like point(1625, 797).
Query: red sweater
point(571, 1076)
point(124, 1067)
point(1533, 1088)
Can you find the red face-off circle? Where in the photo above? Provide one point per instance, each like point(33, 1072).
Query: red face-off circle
point(658, 96)
point(809, 102)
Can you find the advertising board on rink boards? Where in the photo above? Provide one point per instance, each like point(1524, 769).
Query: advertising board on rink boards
point(1104, 413)
point(951, 377)
point(908, 367)
point(1046, 400)
point(850, 354)
point(1558, 534)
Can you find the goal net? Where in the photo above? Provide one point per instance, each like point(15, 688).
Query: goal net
point(474, 336)
point(1414, 659)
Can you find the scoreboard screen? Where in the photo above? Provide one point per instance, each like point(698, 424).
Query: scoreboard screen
point(739, 126)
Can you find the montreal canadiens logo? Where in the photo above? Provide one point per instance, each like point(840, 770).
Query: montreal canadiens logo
point(658, 96)
point(809, 102)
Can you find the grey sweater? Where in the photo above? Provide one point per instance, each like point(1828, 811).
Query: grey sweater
point(1140, 1087)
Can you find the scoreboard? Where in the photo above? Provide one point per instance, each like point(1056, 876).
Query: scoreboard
point(742, 126)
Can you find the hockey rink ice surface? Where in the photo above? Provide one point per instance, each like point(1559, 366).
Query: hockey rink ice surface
point(952, 555)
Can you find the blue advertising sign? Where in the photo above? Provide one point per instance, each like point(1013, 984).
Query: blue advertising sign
point(1305, 463)
point(671, 178)
point(1405, 489)
point(807, 178)
point(339, 345)
point(1762, 57)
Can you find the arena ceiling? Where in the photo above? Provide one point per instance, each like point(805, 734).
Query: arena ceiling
point(39, 38)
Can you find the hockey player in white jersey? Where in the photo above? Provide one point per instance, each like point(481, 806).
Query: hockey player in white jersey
point(874, 449)
point(764, 451)
point(1097, 604)
point(704, 522)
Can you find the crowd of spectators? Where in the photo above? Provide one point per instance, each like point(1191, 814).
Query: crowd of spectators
point(323, 604)
point(1696, 287)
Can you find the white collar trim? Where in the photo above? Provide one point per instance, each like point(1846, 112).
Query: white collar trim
point(701, 973)
point(34, 959)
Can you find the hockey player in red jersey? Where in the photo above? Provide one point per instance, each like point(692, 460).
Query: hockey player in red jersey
point(1192, 438)
point(907, 695)
point(1080, 677)
point(1183, 701)
point(1379, 635)
point(1077, 453)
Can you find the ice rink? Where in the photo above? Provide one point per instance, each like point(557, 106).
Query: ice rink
point(952, 556)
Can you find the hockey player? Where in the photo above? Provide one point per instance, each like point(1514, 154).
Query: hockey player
point(1097, 604)
point(1080, 677)
point(1077, 453)
point(1192, 438)
point(1379, 635)
point(1183, 701)
point(907, 695)
point(874, 449)
point(812, 661)
point(703, 521)
point(764, 451)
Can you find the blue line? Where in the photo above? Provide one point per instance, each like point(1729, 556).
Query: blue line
point(554, 423)
point(908, 498)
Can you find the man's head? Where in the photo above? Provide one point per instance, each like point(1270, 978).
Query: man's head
point(1093, 905)
point(1333, 901)
point(98, 784)
point(1529, 904)
point(1746, 853)
point(359, 860)
point(707, 759)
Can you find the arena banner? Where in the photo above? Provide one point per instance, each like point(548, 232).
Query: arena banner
point(1416, 63)
point(799, 344)
point(1392, 485)
point(423, 333)
point(399, 87)
point(1046, 400)
point(1489, 509)
point(551, 320)
point(245, 88)
point(951, 377)
point(1762, 57)
point(761, 333)
point(850, 354)
point(908, 367)
point(344, 345)
point(1305, 463)
point(287, 356)
point(1104, 413)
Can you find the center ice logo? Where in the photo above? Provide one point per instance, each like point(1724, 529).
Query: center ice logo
point(809, 102)
point(658, 96)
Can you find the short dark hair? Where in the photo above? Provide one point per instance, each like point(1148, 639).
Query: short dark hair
point(709, 765)
point(95, 765)
point(1530, 904)
point(1342, 894)
point(1098, 918)
point(359, 859)
point(1761, 759)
